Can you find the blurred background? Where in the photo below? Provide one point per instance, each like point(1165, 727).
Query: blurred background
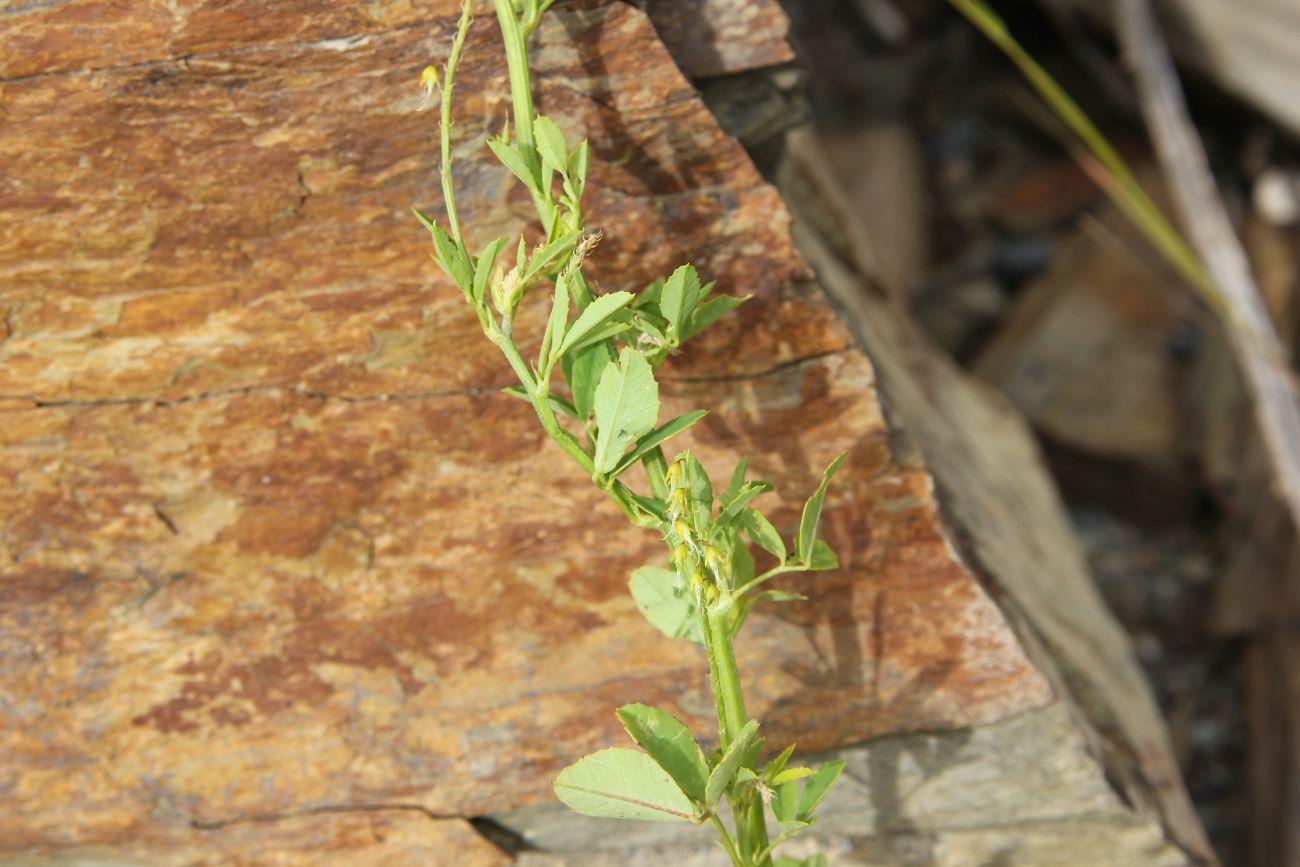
point(976, 211)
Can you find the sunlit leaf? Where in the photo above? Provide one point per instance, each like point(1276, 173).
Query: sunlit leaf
point(622, 784)
point(668, 606)
point(812, 511)
point(670, 743)
point(725, 771)
point(627, 406)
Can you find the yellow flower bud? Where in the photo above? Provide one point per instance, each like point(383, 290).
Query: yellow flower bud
point(681, 556)
point(697, 581)
point(683, 531)
point(428, 81)
point(710, 594)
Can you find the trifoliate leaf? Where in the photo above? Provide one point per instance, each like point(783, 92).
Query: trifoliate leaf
point(817, 787)
point(511, 157)
point(668, 606)
point(670, 743)
point(760, 529)
point(622, 784)
point(627, 405)
point(812, 512)
point(599, 310)
point(679, 296)
point(659, 435)
point(550, 144)
point(823, 557)
point(725, 771)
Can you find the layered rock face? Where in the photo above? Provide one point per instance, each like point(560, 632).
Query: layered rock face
point(285, 579)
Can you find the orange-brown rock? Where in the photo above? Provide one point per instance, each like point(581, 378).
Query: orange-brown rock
point(282, 570)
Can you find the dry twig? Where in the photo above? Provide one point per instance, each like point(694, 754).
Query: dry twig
point(1247, 324)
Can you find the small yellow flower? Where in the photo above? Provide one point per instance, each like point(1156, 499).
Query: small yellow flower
point(428, 81)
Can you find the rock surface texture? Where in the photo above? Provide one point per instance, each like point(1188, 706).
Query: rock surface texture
point(285, 579)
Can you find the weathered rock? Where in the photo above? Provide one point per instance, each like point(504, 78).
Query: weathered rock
point(720, 37)
point(381, 837)
point(282, 568)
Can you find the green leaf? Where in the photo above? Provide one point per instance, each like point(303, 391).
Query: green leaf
point(483, 268)
point(651, 506)
point(670, 743)
point(679, 296)
point(731, 509)
point(697, 480)
point(709, 312)
point(512, 159)
point(425, 219)
point(584, 372)
point(786, 801)
point(595, 315)
point(823, 557)
point(657, 436)
point(543, 257)
point(776, 765)
point(627, 406)
point(649, 296)
point(779, 596)
point(550, 144)
point(614, 326)
point(742, 564)
point(760, 529)
point(451, 258)
point(731, 760)
point(578, 167)
point(667, 605)
point(812, 512)
point(817, 787)
point(622, 784)
point(554, 325)
point(737, 479)
point(790, 775)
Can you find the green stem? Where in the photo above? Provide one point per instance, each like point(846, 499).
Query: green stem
point(728, 844)
point(757, 827)
point(448, 81)
point(521, 93)
point(725, 676)
point(730, 702)
point(521, 97)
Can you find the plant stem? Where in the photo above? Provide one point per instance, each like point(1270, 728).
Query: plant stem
point(521, 97)
point(730, 702)
point(728, 844)
point(449, 79)
point(725, 675)
point(521, 92)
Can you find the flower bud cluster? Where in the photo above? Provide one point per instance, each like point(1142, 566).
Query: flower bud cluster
point(699, 564)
